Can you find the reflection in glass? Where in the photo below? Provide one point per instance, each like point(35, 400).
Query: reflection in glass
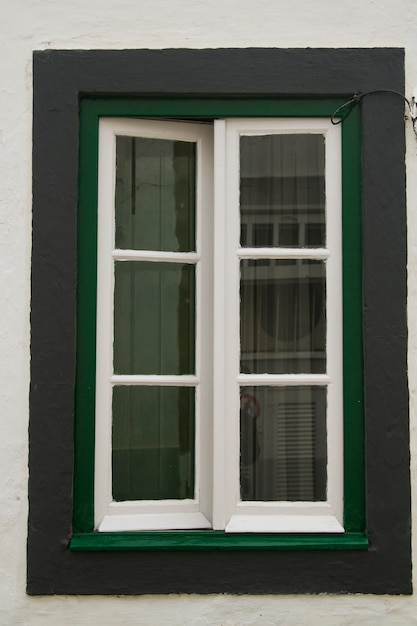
point(153, 443)
point(154, 318)
point(283, 319)
point(282, 184)
point(288, 235)
point(283, 453)
point(263, 235)
point(155, 194)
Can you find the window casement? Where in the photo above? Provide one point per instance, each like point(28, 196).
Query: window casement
point(219, 380)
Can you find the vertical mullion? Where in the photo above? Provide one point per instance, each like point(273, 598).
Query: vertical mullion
point(203, 229)
point(334, 299)
point(220, 489)
point(231, 348)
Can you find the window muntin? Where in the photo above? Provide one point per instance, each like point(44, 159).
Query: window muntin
point(274, 272)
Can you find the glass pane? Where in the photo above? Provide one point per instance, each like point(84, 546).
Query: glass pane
point(283, 450)
point(153, 443)
point(155, 194)
point(282, 190)
point(283, 317)
point(154, 318)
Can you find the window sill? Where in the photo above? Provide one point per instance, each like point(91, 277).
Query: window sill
point(213, 540)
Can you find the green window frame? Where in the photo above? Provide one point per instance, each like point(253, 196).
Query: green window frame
point(91, 110)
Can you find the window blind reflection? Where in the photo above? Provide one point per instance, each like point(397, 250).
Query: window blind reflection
point(283, 455)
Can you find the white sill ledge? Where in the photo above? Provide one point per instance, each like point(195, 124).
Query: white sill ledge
point(237, 524)
point(284, 524)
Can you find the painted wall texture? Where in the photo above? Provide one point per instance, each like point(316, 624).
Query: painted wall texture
point(27, 25)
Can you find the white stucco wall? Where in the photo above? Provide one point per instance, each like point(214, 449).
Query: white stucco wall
point(26, 25)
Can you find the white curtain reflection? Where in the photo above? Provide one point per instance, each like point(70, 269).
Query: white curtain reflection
point(283, 320)
point(283, 317)
point(282, 191)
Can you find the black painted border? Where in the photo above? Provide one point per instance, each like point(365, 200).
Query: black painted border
point(60, 78)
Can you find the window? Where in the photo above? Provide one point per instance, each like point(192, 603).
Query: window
point(231, 93)
point(259, 447)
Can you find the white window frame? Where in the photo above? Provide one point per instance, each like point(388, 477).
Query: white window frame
point(217, 381)
point(231, 513)
point(152, 515)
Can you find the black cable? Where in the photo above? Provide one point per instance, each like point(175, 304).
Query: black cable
point(346, 108)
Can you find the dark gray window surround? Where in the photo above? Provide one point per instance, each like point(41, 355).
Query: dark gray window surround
point(60, 79)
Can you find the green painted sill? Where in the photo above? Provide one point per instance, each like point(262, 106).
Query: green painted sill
point(213, 540)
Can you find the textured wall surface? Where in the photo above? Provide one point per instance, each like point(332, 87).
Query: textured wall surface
point(27, 25)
